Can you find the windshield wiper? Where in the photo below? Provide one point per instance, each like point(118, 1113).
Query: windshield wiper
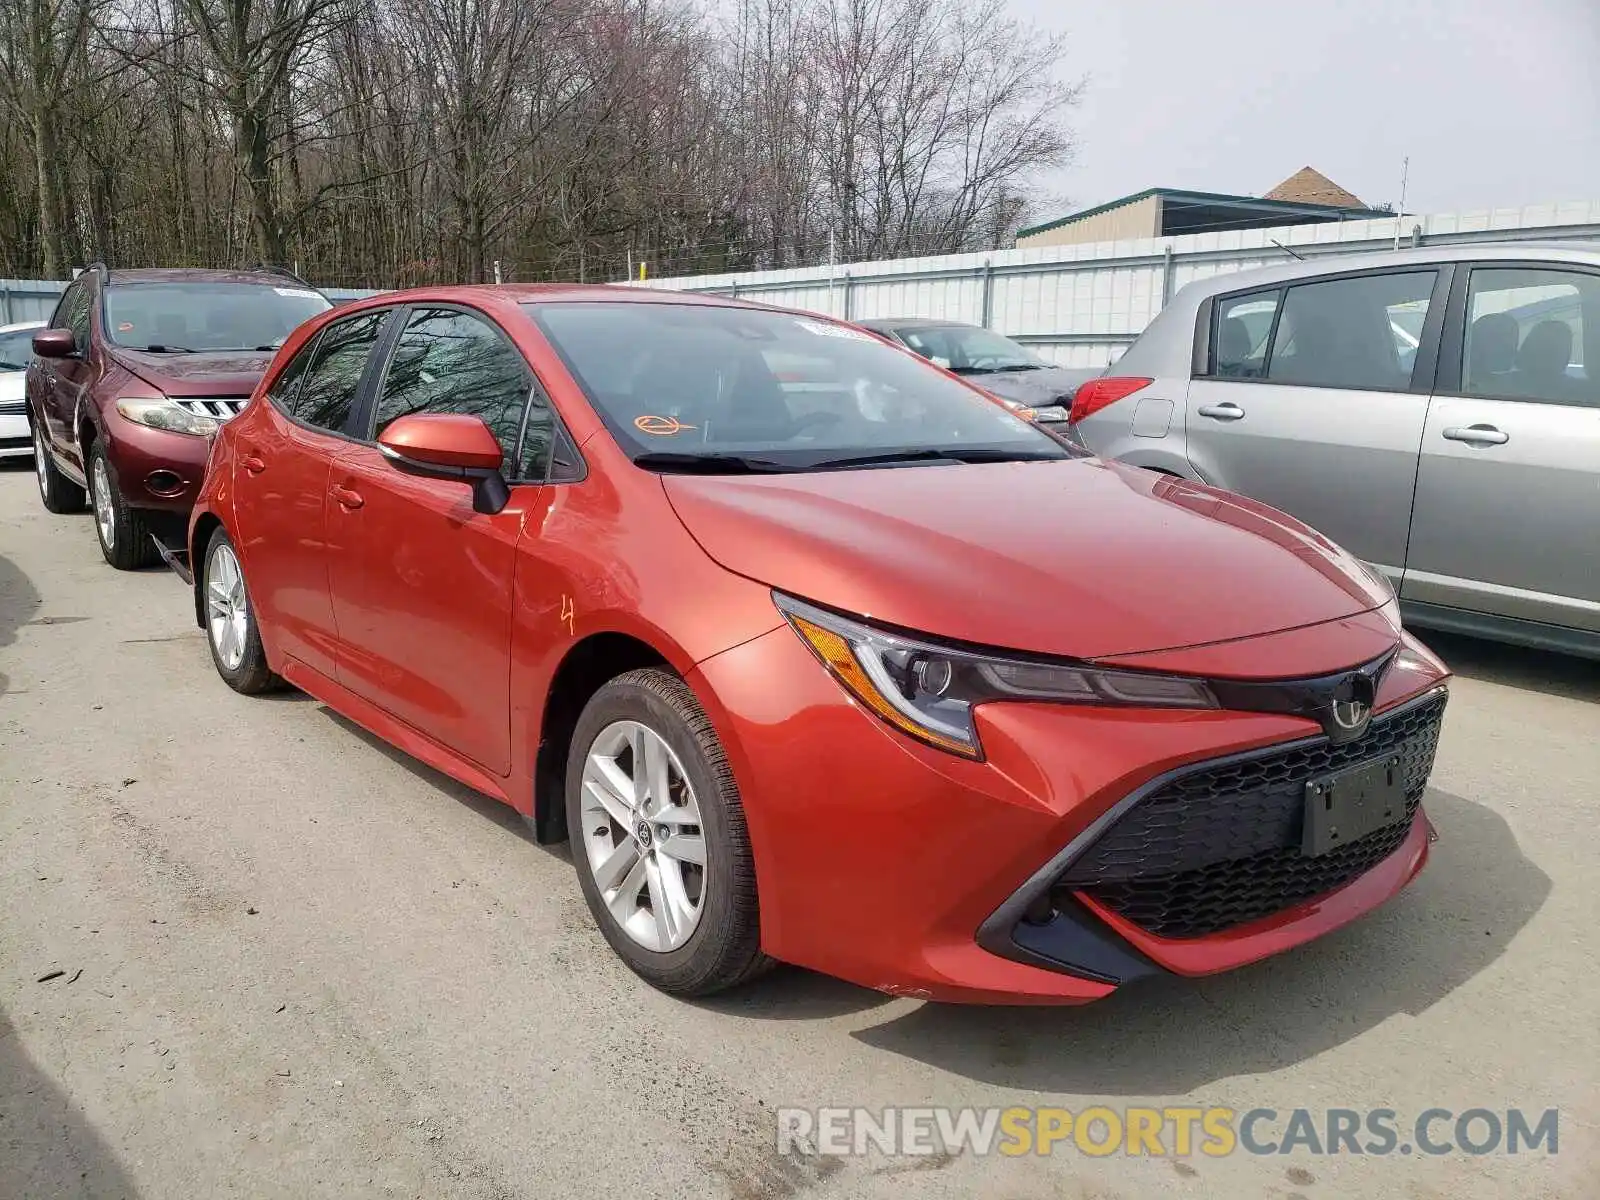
point(955, 454)
point(162, 348)
point(710, 464)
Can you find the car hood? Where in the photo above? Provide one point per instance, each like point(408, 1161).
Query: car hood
point(205, 373)
point(1132, 562)
point(1036, 388)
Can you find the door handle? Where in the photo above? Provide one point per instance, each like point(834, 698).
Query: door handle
point(1477, 435)
point(347, 497)
point(1226, 411)
point(253, 463)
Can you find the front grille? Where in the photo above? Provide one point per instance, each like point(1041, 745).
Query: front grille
point(222, 409)
point(1220, 845)
point(16, 443)
point(13, 408)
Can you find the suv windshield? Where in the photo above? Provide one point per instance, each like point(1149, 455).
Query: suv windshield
point(697, 387)
point(191, 317)
point(970, 350)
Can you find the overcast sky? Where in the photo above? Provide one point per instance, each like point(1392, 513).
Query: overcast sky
point(1496, 101)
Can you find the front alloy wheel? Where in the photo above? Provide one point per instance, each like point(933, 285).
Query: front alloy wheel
point(641, 835)
point(659, 837)
point(231, 628)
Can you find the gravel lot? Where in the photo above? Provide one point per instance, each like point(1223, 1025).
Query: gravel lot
point(298, 964)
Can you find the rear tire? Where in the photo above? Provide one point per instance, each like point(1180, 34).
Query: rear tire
point(124, 537)
point(58, 493)
point(230, 617)
point(717, 897)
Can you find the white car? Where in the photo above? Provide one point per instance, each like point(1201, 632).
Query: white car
point(16, 348)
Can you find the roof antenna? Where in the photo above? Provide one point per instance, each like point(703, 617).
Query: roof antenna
point(1286, 250)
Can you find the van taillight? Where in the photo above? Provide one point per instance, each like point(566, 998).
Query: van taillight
point(1097, 393)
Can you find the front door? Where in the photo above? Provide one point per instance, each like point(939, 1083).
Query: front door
point(1314, 402)
point(65, 381)
point(422, 584)
point(1507, 516)
point(285, 450)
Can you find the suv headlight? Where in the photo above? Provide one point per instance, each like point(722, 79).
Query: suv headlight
point(160, 412)
point(928, 691)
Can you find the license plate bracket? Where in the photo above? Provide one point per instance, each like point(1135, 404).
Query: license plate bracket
point(1348, 805)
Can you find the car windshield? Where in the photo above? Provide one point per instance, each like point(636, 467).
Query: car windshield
point(969, 350)
point(16, 348)
point(193, 317)
point(706, 388)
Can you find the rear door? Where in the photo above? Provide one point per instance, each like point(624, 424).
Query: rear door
point(1507, 515)
point(422, 584)
point(1314, 400)
point(285, 451)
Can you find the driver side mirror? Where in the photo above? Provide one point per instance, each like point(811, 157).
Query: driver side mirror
point(55, 343)
point(449, 446)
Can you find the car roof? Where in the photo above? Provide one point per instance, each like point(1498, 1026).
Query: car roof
point(886, 323)
point(563, 293)
point(1338, 264)
point(266, 278)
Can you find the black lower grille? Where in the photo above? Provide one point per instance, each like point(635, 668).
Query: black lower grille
point(16, 443)
point(1220, 845)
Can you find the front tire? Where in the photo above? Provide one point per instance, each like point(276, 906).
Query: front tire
point(659, 838)
point(58, 493)
point(231, 629)
point(124, 537)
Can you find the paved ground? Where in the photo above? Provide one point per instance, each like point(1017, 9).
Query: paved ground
point(298, 964)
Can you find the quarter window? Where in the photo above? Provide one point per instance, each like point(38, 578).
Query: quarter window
point(1244, 325)
point(1359, 333)
point(328, 390)
point(1532, 335)
point(447, 361)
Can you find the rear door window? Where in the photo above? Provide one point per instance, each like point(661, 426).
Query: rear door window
point(327, 393)
point(1532, 334)
point(1351, 333)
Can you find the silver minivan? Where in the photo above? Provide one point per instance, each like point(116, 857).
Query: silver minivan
point(1435, 411)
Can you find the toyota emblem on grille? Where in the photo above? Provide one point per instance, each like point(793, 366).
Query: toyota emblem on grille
point(1350, 714)
point(1349, 708)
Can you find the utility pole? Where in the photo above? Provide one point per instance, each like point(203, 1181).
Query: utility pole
point(1400, 212)
point(831, 260)
point(497, 271)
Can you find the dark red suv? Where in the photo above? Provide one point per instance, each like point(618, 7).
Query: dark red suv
point(135, 372)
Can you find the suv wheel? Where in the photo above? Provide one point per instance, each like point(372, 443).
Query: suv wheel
point(231, 621)
point(659, 837)
point(124, 538)
point(60, 494)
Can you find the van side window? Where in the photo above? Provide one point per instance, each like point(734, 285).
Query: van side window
point(1532, 334)
point(1360, 333)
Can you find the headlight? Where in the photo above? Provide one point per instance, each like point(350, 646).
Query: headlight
point(162, 413)
point(929, 691)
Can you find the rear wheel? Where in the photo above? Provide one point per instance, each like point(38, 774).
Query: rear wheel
point(231, 628)
point(59, 494)
point(659, 837)
point(124, 537)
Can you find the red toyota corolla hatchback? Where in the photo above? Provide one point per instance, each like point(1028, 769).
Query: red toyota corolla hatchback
point(816, 654)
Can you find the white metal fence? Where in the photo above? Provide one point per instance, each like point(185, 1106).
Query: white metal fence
point(1081, 305)
point(35, 299)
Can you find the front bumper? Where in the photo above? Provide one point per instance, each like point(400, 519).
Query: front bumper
point(156, 470)
point(901, 868)
point(16, 436)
